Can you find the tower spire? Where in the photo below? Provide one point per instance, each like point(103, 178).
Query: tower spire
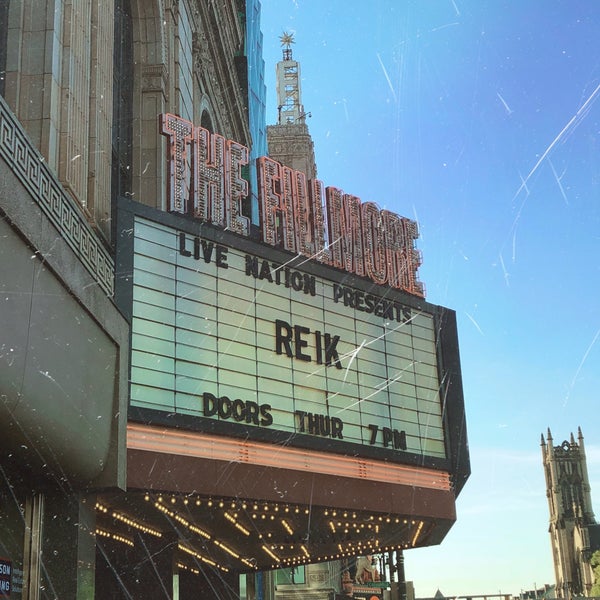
point(289, 94)
point(287, 39)
point(289, 141)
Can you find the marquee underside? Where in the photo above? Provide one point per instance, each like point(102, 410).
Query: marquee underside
point(265, 516)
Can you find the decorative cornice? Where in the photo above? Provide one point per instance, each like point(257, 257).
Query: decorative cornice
point(46, 191)
point(155, 78)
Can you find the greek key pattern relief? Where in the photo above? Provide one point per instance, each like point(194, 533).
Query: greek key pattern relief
point(47, 192)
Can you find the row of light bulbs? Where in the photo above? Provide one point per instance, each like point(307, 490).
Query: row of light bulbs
point(114, 536)
point(257, 507)
point(103, 509)
point(265, 511)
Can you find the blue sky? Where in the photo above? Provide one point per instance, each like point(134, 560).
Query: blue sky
point(481, 120)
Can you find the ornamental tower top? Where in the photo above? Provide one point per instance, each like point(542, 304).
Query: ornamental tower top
point(289, 95)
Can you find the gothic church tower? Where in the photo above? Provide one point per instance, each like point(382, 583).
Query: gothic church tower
point(571, 515)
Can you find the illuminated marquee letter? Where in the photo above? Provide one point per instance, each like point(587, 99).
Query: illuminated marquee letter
point(402, 258)
point(269, 182)
point(345, 235)
point(413, 256)
point(209, 201)
point(304, 234)
point(322, 251)
point(179, 133)
point(237, 156)
point(205, 181)
point(374, 240)
point(286, 209)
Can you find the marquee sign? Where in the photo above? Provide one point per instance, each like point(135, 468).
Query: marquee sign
point(323, 224)
point(229, 334)
point(246, 337)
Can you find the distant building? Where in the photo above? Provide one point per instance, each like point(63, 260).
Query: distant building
point(289, 141)
point(574, 533)
point(439, 596)
point(257, 99)
point(544, 592)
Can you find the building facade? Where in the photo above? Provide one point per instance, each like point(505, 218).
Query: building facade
point(574, 533)
point(63, 377)
point(187, 405)
point(82, 84)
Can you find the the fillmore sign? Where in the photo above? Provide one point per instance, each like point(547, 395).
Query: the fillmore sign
point(296, 214)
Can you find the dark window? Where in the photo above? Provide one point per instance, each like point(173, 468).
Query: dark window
point(206, 121)
point(122, 135)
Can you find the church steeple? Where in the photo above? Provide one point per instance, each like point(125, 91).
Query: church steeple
point(571, 514)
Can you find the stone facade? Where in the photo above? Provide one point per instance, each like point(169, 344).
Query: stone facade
point(292, 146)
point(185, 57)
point(67, 67)
point(63, 374)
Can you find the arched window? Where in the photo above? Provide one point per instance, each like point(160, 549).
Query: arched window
point(206, 121)
point(122, 128)
point(567, 499)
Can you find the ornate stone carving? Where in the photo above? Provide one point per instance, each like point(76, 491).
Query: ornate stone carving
point(206, 71)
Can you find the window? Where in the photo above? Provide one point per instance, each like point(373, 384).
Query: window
point(122, 136)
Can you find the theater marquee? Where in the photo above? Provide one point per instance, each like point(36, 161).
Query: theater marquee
point(312, 333)
point(230, 336)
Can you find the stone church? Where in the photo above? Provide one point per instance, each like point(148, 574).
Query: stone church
point(574, 533)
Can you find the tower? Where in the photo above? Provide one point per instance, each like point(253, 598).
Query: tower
point(289, 103)
point(289, 141)
point(571, 515)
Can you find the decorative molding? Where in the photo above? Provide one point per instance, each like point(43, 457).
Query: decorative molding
point(206, 70)
point(45, 189)
point(154, 78)
point(320, 577)
point(166, 440)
